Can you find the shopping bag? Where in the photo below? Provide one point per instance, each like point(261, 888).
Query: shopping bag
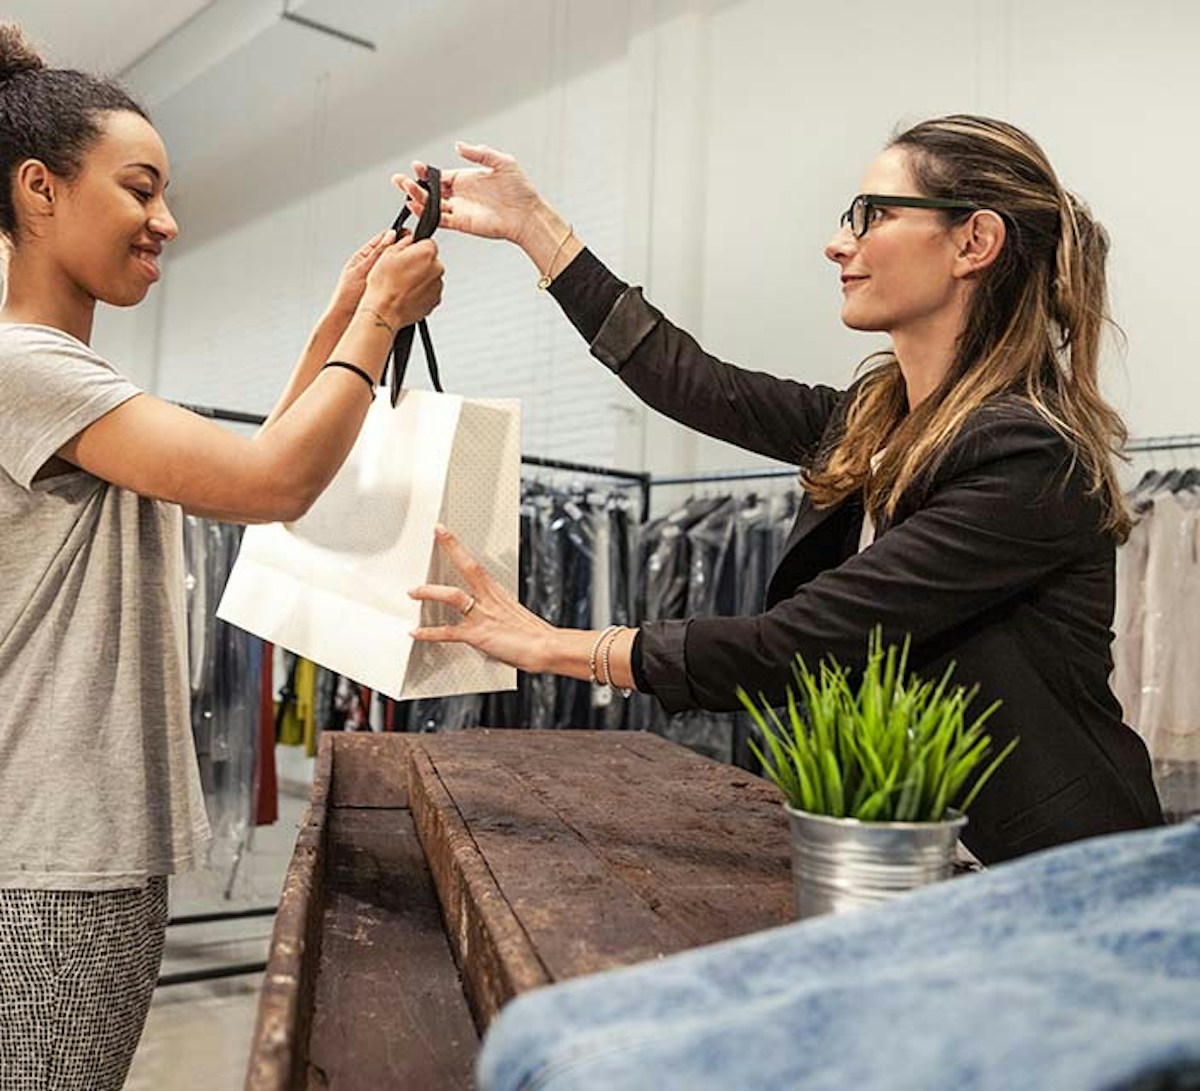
point(333, 586)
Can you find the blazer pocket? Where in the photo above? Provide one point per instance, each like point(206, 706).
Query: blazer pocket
point(1047, 813)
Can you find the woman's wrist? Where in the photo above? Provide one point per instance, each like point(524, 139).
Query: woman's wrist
point(334, 321)
point(549, 241)
point(373, 318)
point(570, 652)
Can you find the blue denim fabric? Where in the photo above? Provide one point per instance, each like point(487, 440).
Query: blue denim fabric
point(1077, 967)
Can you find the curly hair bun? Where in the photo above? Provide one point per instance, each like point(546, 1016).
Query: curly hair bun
point(16, 54)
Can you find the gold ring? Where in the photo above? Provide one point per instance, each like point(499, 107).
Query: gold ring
point(469, 606)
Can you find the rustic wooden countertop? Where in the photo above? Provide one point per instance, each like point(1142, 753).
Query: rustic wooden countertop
point(438, 876)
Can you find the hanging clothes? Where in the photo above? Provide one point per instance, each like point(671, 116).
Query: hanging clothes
point(226, 668)
point(1157, 627)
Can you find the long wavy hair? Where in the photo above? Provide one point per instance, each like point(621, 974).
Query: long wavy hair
point(1033, 326)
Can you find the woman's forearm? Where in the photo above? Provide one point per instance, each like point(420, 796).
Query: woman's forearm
point(318, 350)
point(549, 241)
point(311, 439)
point(568, 652)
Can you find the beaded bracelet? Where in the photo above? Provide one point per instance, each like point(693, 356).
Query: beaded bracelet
point(617, 631)
point(595, 649)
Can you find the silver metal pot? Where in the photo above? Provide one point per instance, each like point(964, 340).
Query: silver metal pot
point(842, 863)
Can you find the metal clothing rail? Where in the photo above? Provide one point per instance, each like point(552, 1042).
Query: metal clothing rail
point(1134, 446)
point(724, 475)
point(1163, 443)
point(211, 973)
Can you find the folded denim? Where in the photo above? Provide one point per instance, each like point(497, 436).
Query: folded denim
point(1074, 968)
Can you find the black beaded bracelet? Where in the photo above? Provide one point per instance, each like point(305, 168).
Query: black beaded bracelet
point(357, 371)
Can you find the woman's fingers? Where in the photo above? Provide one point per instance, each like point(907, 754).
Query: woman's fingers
point(438, 634)
point(482, 154)
point(373, 251)
point(454, 597)
point(451, 596)
point(470, 569)
point(408, 187)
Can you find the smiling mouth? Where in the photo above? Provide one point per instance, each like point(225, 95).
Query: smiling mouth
point(148, 259)
point(849, 281)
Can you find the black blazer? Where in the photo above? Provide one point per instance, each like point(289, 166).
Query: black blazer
point(997, 562)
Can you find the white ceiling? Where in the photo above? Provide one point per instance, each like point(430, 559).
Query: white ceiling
point(240, 93)
point(96, 36)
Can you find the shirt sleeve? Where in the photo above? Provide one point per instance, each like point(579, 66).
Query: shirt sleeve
point(51, 388)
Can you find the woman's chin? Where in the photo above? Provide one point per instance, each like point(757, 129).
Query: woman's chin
point(856, 318)
point(126, 296)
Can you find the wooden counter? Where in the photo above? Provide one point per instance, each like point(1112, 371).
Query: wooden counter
point(438, 876)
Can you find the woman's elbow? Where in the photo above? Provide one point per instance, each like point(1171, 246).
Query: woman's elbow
point(290, 504)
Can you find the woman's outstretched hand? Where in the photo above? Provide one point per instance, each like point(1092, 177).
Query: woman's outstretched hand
point(492, 620)
point(493, 199)
point(352, 281)
point(497, 201)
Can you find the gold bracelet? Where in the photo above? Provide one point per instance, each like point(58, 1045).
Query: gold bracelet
point(547, 278)
point(592, 660)
point(379, 319)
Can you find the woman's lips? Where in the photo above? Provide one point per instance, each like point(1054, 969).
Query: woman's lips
point(148, 259)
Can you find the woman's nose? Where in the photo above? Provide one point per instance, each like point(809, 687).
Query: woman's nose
point(841, 245)
point(163, 223)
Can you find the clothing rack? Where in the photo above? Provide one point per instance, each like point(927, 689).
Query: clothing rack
point(1163, 443)
point(1134, 446)
point(641, 479)
point(724, 475)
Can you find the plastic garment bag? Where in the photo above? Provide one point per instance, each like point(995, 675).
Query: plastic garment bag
point(225, 667)
point(1157, 626)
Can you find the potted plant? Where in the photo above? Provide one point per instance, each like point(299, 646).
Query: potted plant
point(872, 776)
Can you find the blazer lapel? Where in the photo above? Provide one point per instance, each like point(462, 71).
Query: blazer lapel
point(802, 558)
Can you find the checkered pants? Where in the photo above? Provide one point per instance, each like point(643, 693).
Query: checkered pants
point(77, 971)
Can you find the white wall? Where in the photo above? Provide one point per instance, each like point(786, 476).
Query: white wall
point(703, 147)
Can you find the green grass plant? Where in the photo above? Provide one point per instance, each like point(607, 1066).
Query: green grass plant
point(896, 749)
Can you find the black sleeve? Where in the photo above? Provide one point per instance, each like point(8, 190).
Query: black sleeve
point(587, 291)
point(669, 371)
point(998, 518)
point(640, 682)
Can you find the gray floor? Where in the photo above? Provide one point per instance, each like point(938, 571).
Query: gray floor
point(198, 1035)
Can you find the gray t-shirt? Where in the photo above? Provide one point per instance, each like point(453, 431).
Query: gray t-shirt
point(98, 781)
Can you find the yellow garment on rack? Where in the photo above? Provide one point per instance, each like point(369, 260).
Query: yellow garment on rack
point(298, 725)
point(306, 698)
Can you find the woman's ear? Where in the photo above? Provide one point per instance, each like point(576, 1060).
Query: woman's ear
point(35, 188)
point(981, 238)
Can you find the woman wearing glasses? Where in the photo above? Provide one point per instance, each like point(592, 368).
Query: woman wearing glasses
point(961, 491)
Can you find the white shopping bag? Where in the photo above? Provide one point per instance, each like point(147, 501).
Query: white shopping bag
point(333, 586)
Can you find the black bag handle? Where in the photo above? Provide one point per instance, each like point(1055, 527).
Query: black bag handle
point(397, 361)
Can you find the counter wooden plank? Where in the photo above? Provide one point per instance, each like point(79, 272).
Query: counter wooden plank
point(562, 853)
point(389, 1009)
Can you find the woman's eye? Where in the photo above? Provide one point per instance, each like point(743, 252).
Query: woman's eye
point(142, 195)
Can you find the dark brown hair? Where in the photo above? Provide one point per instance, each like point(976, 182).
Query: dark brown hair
point(50, 114)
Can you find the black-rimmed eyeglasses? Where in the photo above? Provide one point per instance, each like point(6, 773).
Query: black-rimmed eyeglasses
point(859, 215)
